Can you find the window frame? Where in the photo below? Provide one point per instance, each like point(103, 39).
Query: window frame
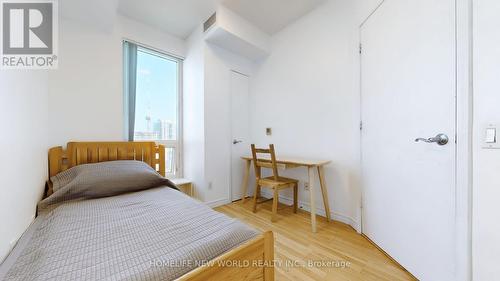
point(175, 144)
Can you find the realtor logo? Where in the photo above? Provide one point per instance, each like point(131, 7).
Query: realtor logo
point(29, 33)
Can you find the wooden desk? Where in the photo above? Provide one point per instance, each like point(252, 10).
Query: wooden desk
point(287, 163)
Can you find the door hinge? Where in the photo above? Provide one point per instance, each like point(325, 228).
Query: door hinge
point(360, 48)
point(361, 125)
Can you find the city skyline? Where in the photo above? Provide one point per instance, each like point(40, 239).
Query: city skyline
point(157, 130)
point(156, 97)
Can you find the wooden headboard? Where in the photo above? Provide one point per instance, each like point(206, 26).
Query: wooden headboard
point(78, 153)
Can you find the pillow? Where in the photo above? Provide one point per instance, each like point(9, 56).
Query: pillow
point(106, 179)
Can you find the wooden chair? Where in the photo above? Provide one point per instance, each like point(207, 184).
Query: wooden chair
point(275, 182)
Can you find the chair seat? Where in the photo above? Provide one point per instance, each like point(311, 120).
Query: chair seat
point(282, 181)
point(275, 182)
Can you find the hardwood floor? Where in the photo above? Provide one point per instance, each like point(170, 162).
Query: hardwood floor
point(350, 255)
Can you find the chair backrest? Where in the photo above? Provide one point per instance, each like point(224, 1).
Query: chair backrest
point(266, 162)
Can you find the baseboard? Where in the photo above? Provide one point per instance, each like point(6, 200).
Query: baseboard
point(217, 203)
point(319, 209)
point(387, 255)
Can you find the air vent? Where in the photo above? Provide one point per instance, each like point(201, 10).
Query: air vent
point(210, 22)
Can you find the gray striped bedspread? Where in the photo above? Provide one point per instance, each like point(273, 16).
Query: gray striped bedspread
point(155, 234)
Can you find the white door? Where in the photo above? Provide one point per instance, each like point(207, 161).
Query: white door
point(408, 92)
point(240, 130)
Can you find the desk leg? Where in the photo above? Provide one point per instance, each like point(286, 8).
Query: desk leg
point(310, 171)
point(246, 174)
point(324, 191)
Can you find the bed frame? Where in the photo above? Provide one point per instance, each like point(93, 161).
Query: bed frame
point(253, 260)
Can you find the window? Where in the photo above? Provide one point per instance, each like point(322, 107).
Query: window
point(152, 100)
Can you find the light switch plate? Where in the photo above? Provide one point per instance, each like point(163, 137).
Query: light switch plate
point(489, 136)
point(269, 131)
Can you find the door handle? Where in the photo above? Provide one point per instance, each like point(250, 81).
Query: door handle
point(236, 141)
point(440, 139)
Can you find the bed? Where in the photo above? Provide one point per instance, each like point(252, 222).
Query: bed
point(156, 233)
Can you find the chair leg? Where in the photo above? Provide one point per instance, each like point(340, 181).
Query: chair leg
point(275, 205)
point(255, 196)
point(295, 197)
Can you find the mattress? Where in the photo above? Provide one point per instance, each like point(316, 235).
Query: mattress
point(156, 234)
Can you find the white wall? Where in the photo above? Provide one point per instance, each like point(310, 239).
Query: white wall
point(486, 175)
point(207, 131)
point(237, 35)
point(193, 111)
point(307, 91)
point(218, 66)
point(86, 98)
point(23, 168)
point(243, 29)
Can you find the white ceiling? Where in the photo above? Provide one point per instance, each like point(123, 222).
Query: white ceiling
point(97, 13)
point(177, 17)
point(180, 17)
point(272, 16)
